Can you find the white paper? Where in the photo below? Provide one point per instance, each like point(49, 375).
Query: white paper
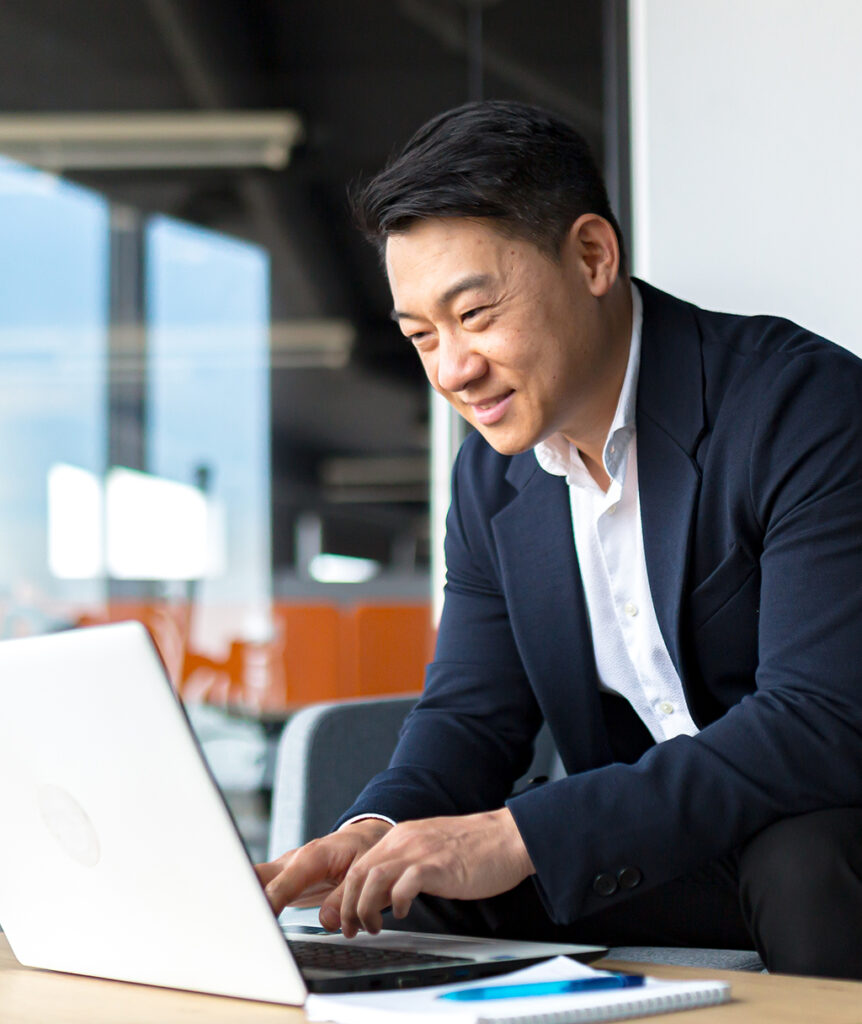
point(424, 1004)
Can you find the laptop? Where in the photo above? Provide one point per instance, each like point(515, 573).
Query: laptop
point(119, 857)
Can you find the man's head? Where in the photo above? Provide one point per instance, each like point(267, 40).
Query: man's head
point(519, 166)
point(504, 263)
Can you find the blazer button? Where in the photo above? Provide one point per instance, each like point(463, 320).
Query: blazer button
point(605, 884)
point(628, 878)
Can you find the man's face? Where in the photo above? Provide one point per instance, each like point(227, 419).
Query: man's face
point(511, 338)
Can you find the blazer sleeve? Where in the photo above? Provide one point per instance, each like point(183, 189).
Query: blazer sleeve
point(470, 737)
point(790, 451)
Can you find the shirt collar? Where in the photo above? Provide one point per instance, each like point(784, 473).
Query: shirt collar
point(559, 457)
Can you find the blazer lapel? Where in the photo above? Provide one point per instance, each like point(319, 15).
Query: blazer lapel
point(547, 611)
point(670, 422)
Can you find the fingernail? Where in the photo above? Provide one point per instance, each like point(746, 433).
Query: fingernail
point(329, 919)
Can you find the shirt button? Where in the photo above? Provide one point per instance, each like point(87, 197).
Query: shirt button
point(666, 707)
point(611, 509)
point(630, 608)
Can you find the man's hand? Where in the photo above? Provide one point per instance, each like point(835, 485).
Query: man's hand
point(305, 877)
point(468, 857)
point(356, 873)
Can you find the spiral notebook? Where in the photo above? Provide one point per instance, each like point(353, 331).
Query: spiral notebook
point(425, 1006)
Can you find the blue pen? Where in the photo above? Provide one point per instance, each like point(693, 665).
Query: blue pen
point(546, 988)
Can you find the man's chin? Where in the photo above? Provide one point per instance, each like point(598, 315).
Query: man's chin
point(506, 445)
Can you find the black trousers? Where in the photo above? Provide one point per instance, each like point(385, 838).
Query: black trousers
point(793, 892)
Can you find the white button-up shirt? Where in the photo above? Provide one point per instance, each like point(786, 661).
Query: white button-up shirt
point(631, 656)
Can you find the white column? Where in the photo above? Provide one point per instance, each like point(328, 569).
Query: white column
point(747, 156)
point(447, 433)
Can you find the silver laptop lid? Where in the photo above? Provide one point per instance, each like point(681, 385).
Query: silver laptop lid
point(95, 748)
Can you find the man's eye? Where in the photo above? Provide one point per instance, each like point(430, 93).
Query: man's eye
point(472, 312)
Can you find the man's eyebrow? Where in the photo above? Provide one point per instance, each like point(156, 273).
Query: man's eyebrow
point(466, 284)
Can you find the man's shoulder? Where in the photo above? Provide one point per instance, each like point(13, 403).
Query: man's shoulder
point(740, 363)
point(760, 335)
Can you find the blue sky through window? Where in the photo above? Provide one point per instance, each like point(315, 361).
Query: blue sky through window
point(208, 386)
point(53, 345)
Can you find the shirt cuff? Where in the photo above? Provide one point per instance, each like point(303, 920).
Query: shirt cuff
point(362, 817)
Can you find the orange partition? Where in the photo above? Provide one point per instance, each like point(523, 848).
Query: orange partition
point(317, 652)
point(386, 647)
point(309, 636)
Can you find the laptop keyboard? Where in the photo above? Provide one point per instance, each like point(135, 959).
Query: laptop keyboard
point(341, 957)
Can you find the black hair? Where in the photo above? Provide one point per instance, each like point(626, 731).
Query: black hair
point(519, 165)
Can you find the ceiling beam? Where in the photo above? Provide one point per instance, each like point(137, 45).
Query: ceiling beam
point(206, 87)
point(453, 35)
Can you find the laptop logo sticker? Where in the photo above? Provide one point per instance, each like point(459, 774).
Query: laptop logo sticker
point(68, 823)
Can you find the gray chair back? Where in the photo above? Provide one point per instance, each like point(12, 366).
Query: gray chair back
point(326, 754)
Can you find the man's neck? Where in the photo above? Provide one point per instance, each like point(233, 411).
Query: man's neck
point(618, 339)
point(596, 470)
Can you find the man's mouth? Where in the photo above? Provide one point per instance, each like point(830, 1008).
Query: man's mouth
point(492, 409)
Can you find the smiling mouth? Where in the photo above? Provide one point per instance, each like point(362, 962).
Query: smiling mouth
point(494, 409)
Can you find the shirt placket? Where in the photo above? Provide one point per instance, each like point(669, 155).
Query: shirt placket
point(615, 550)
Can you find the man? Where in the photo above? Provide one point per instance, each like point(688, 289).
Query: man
point(654, 546)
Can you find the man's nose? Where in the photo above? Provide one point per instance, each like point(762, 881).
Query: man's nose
point(459, 363)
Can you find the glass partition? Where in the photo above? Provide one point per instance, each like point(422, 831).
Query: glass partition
point(134, 425)
point(207, 416)
point(54, 312)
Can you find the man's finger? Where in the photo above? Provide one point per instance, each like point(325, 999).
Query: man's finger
point(350, 889)
point(330, 909)
point(366, 883)
point(367, 888)
point(301, 874)
point(266, 872)
point(375, 895)
point(405, 890)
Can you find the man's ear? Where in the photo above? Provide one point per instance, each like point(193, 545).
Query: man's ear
point(592, 244)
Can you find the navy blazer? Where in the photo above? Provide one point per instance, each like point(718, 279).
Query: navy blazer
point(749, 447)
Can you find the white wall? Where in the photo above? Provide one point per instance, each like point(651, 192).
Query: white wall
point(747, 156)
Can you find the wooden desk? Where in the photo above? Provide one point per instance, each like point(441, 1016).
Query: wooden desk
point(42, 997)
point(756, 998)
point(28, 996)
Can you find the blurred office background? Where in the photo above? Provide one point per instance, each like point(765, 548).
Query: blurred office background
point(208, 420)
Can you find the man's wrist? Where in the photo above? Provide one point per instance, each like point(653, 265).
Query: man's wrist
point(515, 846)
